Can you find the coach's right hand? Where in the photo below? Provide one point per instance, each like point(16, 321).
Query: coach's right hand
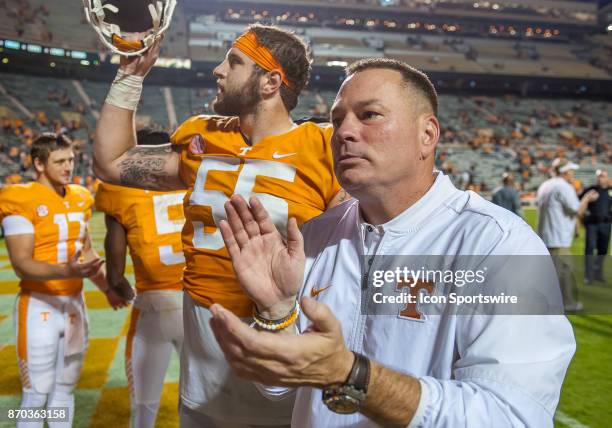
point(269, 270)
point(140, 65)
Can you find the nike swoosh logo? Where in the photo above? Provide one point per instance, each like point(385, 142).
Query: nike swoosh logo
point(277, 155)
point(314, 292)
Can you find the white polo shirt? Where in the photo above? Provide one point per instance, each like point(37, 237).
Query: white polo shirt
point(557, 207)
point(480, 370)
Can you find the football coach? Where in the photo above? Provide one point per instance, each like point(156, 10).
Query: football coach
point(353, 368)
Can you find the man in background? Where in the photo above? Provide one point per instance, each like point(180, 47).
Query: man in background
point(507, 196)
point(558, 208)
point(597, 221)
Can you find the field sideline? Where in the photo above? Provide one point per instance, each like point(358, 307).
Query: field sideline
point(102, 395)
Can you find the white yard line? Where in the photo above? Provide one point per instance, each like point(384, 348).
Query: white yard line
point(568, 420)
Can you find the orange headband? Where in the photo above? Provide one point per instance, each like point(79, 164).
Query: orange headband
point(248, 45)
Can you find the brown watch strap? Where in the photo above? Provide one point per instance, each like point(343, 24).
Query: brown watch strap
point(359, 377)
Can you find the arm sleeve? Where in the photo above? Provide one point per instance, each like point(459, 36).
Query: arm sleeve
point(568, 199)
point(90, 203)
point(181, 141)
point(513, 386)
point(14, 202)
point(510, 368)
point(104, 202)
point(334, 187)
point(17, 225)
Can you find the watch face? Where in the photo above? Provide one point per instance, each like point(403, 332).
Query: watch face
point(342, 403)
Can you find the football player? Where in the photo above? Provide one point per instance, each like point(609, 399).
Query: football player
point(252, 148)
point(149, 223)
point(45, 224)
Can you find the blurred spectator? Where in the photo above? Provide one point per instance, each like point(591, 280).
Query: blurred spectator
point(558, 207)
point(597, 222)
point(507, 196)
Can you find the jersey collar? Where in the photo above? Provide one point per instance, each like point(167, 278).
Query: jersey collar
point(50, 190)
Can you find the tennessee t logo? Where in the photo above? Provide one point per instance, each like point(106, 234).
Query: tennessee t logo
point(410, 310)
point(45, 315)
point(244, 150)
point(72, 318)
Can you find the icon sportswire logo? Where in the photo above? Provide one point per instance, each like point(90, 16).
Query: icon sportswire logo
point(277, 155)
point(314, 292)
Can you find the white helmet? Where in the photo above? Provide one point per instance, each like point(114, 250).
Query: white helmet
point(113, 18)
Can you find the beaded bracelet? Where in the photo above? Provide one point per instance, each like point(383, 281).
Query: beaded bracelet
point(278, 324)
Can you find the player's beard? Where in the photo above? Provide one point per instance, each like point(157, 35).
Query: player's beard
point(241, 101)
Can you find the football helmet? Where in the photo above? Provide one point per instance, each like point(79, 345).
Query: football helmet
point(112, 19)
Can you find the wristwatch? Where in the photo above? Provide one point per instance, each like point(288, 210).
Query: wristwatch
point(348, 397)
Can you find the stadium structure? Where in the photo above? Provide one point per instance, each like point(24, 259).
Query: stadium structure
point(521, 82)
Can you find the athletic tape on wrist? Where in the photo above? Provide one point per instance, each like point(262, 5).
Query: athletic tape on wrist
point(125, 91)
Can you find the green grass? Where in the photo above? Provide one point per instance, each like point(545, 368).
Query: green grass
point(102, 398)
point(587, 391)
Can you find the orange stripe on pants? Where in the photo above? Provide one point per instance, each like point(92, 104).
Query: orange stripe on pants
point(128, 349)
point(22, 338)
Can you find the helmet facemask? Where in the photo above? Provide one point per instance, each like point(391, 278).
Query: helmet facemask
point(114, 20)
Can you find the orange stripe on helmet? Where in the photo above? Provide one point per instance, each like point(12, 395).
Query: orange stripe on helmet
point(248, 45)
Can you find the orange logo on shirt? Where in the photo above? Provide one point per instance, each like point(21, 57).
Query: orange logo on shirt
point(45, 315)
point(314, 292)
point(42, 210)
point(410, 310)
point(72, 317)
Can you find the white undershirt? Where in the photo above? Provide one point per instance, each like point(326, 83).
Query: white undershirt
point(17, 225)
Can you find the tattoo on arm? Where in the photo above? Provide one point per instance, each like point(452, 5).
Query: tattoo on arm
point(338, 198)
point(145, 167)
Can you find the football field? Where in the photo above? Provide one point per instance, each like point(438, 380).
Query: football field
point(102, 393)
point(102, 398)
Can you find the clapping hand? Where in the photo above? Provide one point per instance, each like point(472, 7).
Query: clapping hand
point(269, 270)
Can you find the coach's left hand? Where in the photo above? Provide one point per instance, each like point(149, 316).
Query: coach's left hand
point(318, 357)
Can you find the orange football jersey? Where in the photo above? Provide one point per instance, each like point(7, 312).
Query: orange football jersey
point(60, 227)
point(153, 221)
point(292, 175)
